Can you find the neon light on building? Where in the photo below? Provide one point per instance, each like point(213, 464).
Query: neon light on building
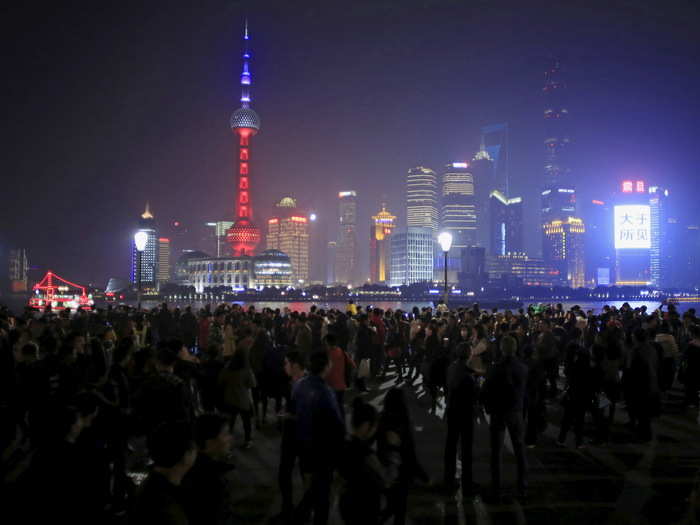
point(244, 236)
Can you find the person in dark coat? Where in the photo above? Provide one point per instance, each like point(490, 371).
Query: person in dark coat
point(536, 393)
point(503, 397)
point(365, 476)
point(395, 420)
point(320, 433)
point(189, 328)
point(206, 486)
point(60, 472)
point(692, 368)
point(578, 400)
point(642, 384)
point(160, 500)
point(364, 349)
point(462, 397)
point(162, 396)
point(295, 370)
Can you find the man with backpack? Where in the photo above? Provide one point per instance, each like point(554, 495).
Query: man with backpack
point(503, 396)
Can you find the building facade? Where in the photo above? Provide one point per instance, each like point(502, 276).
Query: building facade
point(270, 268)
point(564, 250)
point(163, 274)
point(483, 170)
point(422, 199)
point(600, 254)
point(495, 142)
point(662, 229)
point(18, 268)
point(632, 234)
point(518, 268)
point(506, 224)
point(149, 256)
point(273, 268)
point(288, 232)
point(381, 228)
point(412, 252)
point(458, 213)
point(346, 246)
point(557, 140)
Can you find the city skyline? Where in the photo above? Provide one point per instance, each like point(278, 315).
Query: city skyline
point(163, 170)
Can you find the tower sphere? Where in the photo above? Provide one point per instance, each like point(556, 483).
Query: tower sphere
point(245, 118)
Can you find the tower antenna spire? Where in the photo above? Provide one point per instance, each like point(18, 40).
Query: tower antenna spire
point(246, 78)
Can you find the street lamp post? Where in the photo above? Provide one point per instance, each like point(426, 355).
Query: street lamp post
point(445, 241)
point(140, 241)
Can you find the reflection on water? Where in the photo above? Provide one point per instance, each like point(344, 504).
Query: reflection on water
point(596, 306)
point(302, 306)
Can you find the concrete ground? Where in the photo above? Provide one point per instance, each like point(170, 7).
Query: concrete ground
point(622, 483)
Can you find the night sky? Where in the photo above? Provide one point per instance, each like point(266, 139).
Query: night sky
point(112, 104)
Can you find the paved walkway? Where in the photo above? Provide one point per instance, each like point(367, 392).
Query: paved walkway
point(623, 483)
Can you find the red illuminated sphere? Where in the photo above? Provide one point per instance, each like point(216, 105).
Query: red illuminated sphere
point(243, 237)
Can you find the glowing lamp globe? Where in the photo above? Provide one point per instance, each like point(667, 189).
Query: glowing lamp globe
point(140, 240)
point(445, 241)
point(312, 217)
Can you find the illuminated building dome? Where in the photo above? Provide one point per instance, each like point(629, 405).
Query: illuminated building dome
point(245, 118)
point(287, 202)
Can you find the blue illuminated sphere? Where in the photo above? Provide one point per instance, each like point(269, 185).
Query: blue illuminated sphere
point(245, 118)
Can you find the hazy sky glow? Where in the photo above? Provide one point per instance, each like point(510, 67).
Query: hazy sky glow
point(110, 105)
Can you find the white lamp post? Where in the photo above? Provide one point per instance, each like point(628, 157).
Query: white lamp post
point(445, 241)
point(140, 241)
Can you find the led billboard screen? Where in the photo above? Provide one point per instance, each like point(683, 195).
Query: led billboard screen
point(632, 227)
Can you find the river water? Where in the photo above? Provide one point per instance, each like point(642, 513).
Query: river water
point(596, 306)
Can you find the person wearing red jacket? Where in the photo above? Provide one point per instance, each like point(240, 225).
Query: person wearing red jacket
point(341, 365)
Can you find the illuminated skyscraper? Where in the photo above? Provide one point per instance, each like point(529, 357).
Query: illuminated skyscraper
point(412, 252)
point(600, 255)
point(163, 273)
point(482, 169)
point(331, 251)
point(494, 141)
point(380, 230)
point(661, 238)
point(564, 250)
point(458, 210)
point(421, 199)
point(288, 232)
point(558, 195)
point(244, 236)
point(556, 120)
point(346, 247)
point(506, 224)
point(632, 234)
point(149, 257)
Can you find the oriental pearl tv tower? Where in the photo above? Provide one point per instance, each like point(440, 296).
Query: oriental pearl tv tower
point(244, 236)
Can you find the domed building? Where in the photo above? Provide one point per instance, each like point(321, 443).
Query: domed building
point(273, 268)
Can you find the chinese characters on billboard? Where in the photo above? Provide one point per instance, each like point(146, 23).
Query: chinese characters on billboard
point(632, 227)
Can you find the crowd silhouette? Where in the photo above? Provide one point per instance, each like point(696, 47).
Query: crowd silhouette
point(89, 399)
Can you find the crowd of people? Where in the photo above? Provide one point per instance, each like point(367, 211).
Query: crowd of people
point(86, 395)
